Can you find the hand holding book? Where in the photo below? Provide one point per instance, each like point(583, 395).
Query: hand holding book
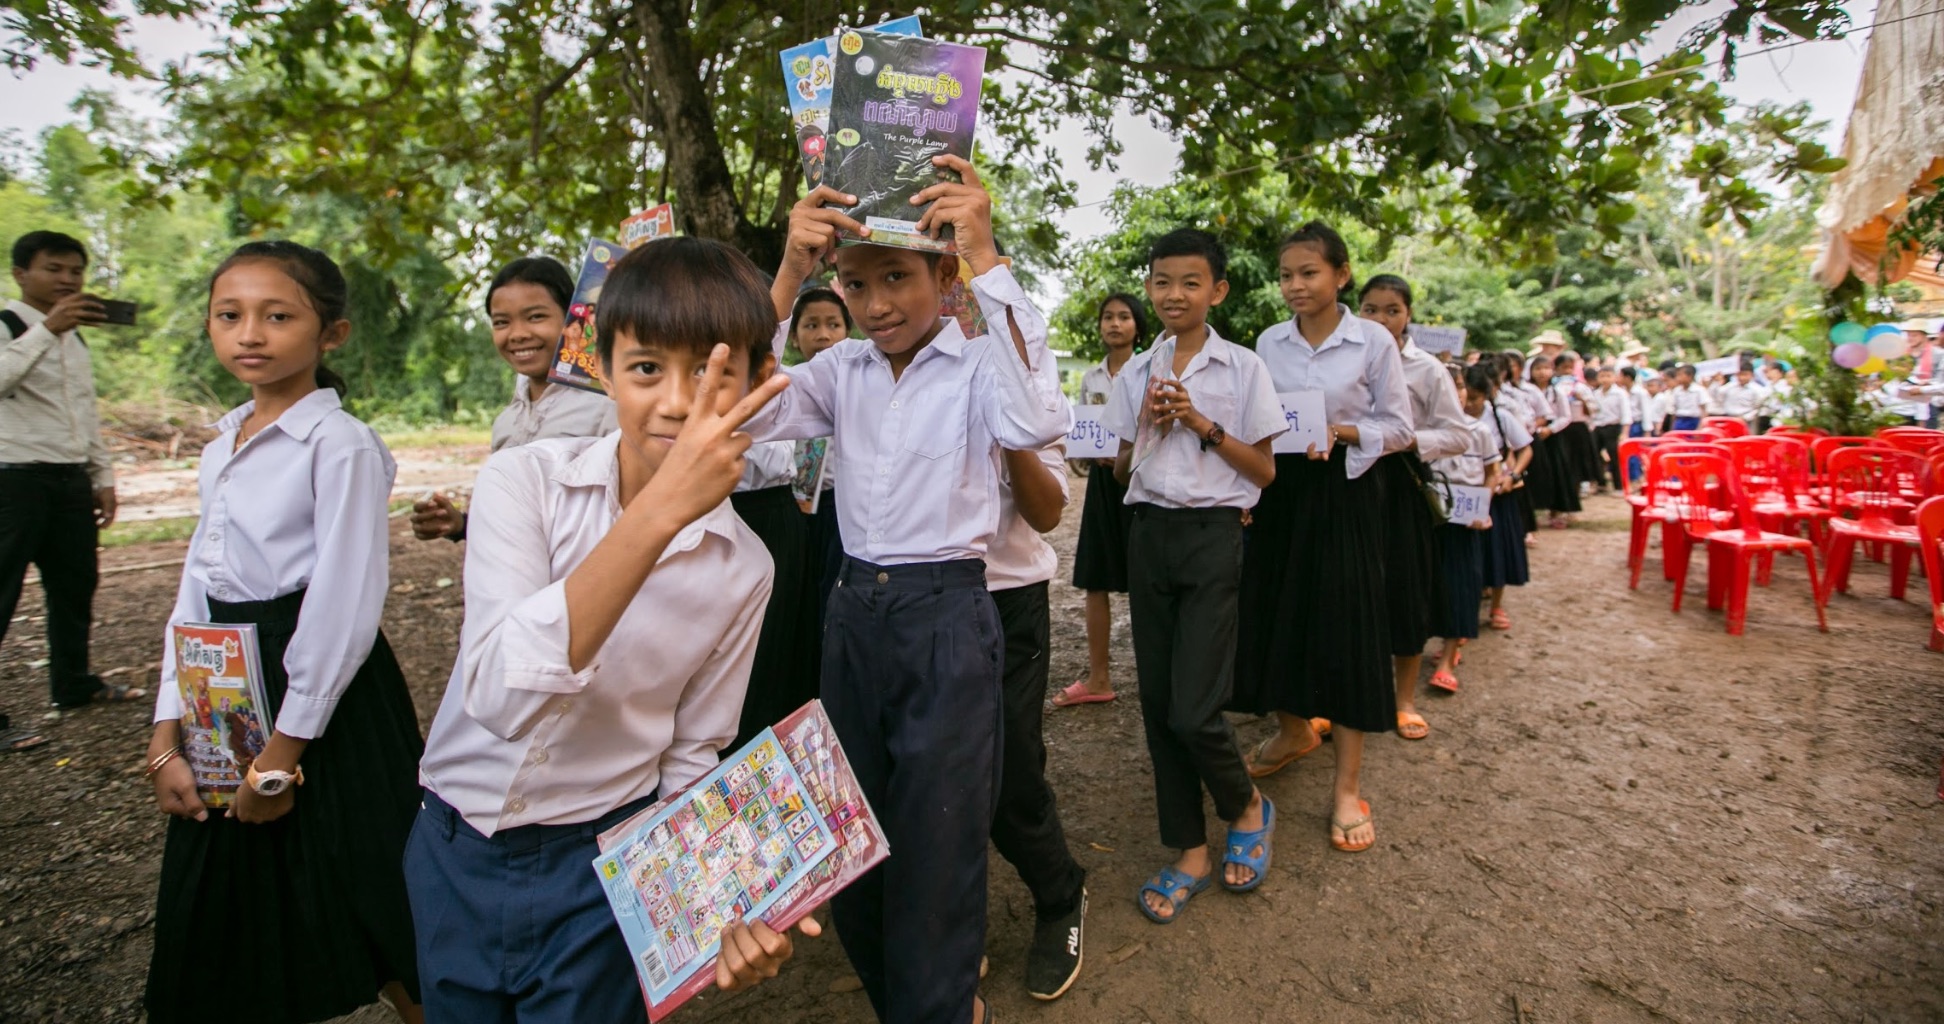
point(752, 951)
point(817, 224)
point(961, 210)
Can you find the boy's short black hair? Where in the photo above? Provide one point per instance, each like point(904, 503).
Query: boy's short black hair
point(1630, 373)
point(1191, 242)
point(545, 271)
point(686, 293)
point(54, 243)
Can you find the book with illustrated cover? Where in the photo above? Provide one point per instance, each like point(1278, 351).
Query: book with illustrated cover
point(575, 363)
point(959, 303)
point(775, 830)
point(808, 73)
point(646, 226)
point(226, 720)
point(809, 456)
point(898, 102)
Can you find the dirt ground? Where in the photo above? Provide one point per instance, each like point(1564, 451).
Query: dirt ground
point(1625, 815)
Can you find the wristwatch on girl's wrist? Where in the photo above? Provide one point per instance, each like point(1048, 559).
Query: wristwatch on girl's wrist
point(272, 783)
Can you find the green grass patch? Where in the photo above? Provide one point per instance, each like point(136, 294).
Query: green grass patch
point(148, 531)
point(444, 436)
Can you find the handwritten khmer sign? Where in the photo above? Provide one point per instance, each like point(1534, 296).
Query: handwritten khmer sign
point(1089, 438)
point(1308, 425)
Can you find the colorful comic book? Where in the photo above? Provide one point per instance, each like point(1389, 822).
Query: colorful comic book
point(808, 73)
point(575, 363)
point(775, 830)
point(226, 720)
point(806, 486)
point(644, 227)
point(961, 304)
point(897, 102)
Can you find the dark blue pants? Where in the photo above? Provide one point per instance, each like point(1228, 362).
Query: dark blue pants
point(1687, 423)
point(513, 928)
point(911, 681)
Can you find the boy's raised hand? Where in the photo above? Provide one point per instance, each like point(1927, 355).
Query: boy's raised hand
point(966, 208)
point(816, 226)
point(706, 460)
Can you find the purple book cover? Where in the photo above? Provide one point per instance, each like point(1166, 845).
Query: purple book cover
point(899, 101)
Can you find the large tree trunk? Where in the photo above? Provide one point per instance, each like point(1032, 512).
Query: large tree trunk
point(698, 171)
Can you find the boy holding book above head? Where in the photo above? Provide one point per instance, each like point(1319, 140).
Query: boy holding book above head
point(613, 603)
point(1203, 411)
point(912, 644)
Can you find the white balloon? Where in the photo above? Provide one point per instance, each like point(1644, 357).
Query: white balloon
point(1887, 346)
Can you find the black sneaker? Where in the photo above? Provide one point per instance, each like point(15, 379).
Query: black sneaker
point(1053, 961)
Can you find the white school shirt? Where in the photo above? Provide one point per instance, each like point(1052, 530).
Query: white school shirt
point(1686, 401)
point(47, 399)
point(1737, 399)
point(1547, 411)
point(1437, 420)
point(522, 739)
point(1019, 555)
point(1657, 411)
point(1097, 384)
point(768, 464)
point(1637, 398)
point(1226, 383)
point(916, 452)
point(1468, 466)
point(303, 505)
point(1612, 407)
point(1361, 375)
point(1574, 396)
point(1509, 434)
point(560, 411)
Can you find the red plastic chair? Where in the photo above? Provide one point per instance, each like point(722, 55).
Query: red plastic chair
point(1667, 505)
point(1820, 450)
point(1868, 483)
point(1726, 426)
point(1806, 433)
point(1789, 502)
point(1921, 444)
point(1734, 546)
point(1930, 534)
point(1696, 436)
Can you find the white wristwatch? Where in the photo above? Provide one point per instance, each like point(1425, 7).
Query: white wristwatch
point(272, 783)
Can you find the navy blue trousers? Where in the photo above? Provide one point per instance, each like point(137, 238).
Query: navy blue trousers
point(513, 928)
point(912, 663)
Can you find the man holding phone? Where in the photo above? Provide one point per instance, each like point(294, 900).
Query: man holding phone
point(57, 490)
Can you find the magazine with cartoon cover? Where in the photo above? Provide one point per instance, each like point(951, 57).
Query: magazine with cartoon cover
point(898, 102)
point(806, 485)
point(647, 225)
point(810, 745)
point(808, 71)
point(738, 840)
point(225, 718)
point(575, 363)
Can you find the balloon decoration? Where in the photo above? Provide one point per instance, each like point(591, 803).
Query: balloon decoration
point(1851, 355)
point(1847, 333)
point(1886, 346)
point(1883, 330)
point(1873, 365)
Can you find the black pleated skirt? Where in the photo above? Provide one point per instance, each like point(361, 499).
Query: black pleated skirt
point(1550, 478)
point(784, 675)
point(1314, 638)
point(1504, 548)
point(304, 918)
point(1414, 587)
point(1461, 552)
point(1582, 454)
point(1100, 557)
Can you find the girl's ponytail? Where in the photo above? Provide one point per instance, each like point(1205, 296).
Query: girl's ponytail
point(328, 378)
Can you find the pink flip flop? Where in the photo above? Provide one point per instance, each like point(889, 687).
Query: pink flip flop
point(1077, 694)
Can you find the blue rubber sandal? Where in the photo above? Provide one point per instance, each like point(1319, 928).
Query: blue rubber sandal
point(1240, 843)
point(1166, 885)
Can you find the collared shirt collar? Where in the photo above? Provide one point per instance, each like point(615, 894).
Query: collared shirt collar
point(298, 421)
point(1341, 335)
point(1213, 347)
point(599, 465)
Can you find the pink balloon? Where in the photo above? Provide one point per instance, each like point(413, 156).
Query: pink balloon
point(1851, 356)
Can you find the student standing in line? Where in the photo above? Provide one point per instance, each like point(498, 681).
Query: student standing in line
point(1461, 546)
point(1100, 557)
point(602, 667)
point(1612, 412)
point(293, 539)
point(1506, 564)
point(527, 307)
point(1576, 440)
point(1687, 401)
point(1315, 636)
point(913, 657)
point(1026, 826)
point(1551, 476)
point(1414, 585)
point(1190, 482)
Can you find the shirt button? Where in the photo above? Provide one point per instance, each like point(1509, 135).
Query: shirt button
point(515, 805)
point(539, 757)
point(894, 405)
point(884, 472)
point(876, 536)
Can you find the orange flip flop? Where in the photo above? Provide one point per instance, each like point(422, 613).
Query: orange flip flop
point(1340, 831)
point(1258, 770)
point(1412, 725)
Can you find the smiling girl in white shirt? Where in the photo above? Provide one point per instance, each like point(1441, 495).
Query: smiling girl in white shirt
point(293, 539)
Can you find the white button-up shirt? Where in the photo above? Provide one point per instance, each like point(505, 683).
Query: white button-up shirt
point(560, 411)
point(1361, 375)
point(1738, 399)
point(1467, 468)
point(915, 451)
point(521, 738)
point(303, 505)
point(769, 464)
point(1019, 555)
point(1508, 430)
point(1686, 401)
point(1226, 383)
point(1097, 384)
point(47, 399)
point(1436, 416)
point(1612, 407)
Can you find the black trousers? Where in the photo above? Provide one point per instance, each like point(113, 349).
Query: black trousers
point(911, 681)
point(1026, 829)
point(1607, 440)
point(47, 518)
point(1184, 570)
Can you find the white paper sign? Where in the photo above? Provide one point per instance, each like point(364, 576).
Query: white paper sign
point(1449, 340)
point(1090, 438)
point(1470, 504)
point(1308, 425)
point(1726, 366)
